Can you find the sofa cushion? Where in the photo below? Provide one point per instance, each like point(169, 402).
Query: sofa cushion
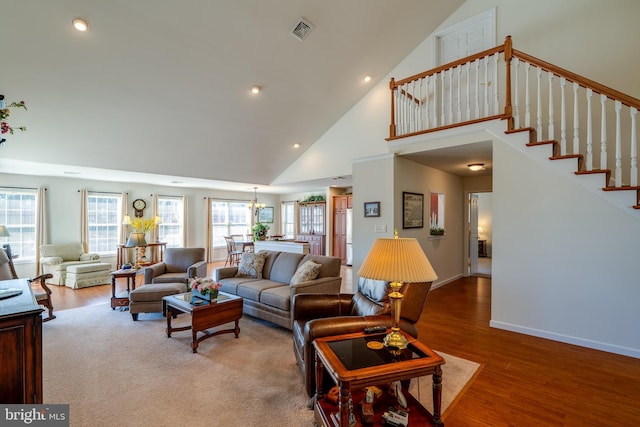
point(285, 266)
point(252, 290)
point(330, 265)
point(251, 264)
point(308, 270)
point(279, 297)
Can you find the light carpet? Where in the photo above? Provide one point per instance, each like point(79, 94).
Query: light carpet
point(114, 371)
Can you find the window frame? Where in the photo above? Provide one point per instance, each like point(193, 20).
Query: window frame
point(164, 220)
point(93, 245)
point(17, 230)
point(231, 228)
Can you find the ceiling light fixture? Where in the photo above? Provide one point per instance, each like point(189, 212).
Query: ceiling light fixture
point(80, 24)
point(255, 89)
point(296, 145)
point(366, 79)
point(476, 166)
point(254, 203)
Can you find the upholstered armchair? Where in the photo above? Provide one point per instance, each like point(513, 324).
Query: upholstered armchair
point(55, 259)
point(320, 315)
point(179, 265)
point(41, 291)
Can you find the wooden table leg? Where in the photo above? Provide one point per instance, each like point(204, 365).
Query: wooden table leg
point(194, 341)
point(343, 405)
point(437, 396)
point(237, 329)
point(169, 315)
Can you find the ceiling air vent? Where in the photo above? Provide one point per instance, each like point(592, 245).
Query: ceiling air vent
point(301, 29)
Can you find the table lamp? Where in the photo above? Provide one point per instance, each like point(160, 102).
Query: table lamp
point(397, 261)
point(137, 239)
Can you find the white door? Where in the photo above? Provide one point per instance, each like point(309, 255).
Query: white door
point(473, 234)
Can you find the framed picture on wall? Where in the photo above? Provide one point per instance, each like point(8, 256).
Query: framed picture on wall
point(265, 215)
point(371, 209)
point(412, 210)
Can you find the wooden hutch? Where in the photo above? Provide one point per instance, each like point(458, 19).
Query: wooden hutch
point(311, 225)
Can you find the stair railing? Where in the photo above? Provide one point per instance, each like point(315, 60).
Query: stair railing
point(469, 90)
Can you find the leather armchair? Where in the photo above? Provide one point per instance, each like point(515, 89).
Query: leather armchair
point(179, 265)
point(320, 315)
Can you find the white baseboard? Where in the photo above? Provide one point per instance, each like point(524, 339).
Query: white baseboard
point(596, 345)
point(445, 281)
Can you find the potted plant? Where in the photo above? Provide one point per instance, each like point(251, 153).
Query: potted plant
point(259, 231)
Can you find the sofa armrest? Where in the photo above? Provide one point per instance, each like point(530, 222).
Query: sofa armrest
point(153, 271)
point(315, 306)
point(199, 269)
point(317, 328)
point(89, 257)
point(52, 260)
point(224, 273)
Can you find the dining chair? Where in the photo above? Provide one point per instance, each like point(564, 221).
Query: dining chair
point(233, 254)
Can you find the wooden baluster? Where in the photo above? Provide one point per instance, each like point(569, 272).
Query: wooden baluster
point(421, 107)
point(394, 100)
point(576, 120)
point(539, 111)
point(442, 110)
point(427, 119)
point(435, 98)
point(468, 112)
point(477, 95)
point(603, 134)
point(589, 131)
point(459, 104)
point(527, 98)
point(516, 98)
point(618, 107)
point(450, 72)
point(563, 118)
point(552, 131)
point(486, 86)
point(496, 101)
point(634, 148)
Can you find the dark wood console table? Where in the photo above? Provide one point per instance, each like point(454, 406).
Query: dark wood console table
point(155, 253)
point(21, 344)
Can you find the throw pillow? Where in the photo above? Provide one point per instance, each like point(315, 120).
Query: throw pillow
point(307, 271)
point(251, 264)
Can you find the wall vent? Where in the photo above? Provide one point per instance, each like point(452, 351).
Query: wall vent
point(302, 29)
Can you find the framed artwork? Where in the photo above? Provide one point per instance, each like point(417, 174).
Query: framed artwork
point(436, 214)
point(265, 215)
point(371, 209)
point(412, 210)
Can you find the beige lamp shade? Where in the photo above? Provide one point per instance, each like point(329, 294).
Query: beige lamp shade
point(4, 232)
point(397, 260)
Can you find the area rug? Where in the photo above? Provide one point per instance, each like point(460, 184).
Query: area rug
point(114, 371)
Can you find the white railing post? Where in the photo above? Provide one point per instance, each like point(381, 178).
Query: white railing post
point(468, 112)
point(496, 101)
point(442, 110)
point(486, 86)
point(551, 118)
point(603, 134)
point(576, 120)
point(516, 102)
point(563, 118)
point(450, 115)
point(477, 94)
point(634, 148)
point(527, 100)
point(589, 131)
point(539, 101)
point(618, 107)
point(459, 103)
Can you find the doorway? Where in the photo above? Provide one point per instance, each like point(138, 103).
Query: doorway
point(480, 226)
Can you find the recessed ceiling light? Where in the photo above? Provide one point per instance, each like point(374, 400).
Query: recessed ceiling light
point(71, 173)
point(476, 166)
point(80, 24)
point(255, 89)
point(366, 79)
point(296, 145)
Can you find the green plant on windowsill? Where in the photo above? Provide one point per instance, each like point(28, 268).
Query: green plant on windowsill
point(259, 231)
point(436, 231)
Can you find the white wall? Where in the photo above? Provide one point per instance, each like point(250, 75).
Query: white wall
point(63, 208)
point(564, 259)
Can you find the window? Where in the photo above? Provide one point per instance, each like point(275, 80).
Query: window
point(18, 213)
point(288, 219)
point(229, 217)
point(103, 213)
point(171, 228)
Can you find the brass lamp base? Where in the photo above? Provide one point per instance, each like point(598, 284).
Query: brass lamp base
point(395, 339)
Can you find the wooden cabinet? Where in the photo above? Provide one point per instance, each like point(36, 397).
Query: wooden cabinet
point(339, 245)
point(312, 226)
point(20, 346)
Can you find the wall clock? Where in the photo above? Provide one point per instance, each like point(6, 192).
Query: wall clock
point(138, 206)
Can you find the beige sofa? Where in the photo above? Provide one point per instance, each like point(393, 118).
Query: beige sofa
point(55, 259)
point(270, 297)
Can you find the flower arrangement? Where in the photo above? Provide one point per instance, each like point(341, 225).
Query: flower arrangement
point(4, 114)
point(204, 285)
point(434, 228)
point(259, 231)
point(142, 225)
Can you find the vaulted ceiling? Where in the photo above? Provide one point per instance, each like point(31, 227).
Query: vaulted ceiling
point(159, 90)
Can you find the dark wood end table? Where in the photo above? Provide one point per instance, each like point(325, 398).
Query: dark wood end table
point(352, 365)
point(204, 315)
point(122, 299)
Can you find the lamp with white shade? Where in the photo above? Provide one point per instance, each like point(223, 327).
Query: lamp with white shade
point(137, 240)
point(397, 261)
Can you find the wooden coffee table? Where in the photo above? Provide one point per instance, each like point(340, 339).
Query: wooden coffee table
point(353, 365)
point(204, 315)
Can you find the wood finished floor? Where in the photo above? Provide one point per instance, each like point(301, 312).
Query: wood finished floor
point(524, 381)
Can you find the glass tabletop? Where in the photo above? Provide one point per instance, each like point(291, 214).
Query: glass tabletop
point(354, 353)
point(190, 299)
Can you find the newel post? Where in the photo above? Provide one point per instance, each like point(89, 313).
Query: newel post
point(508, 108)
point(392, 127)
